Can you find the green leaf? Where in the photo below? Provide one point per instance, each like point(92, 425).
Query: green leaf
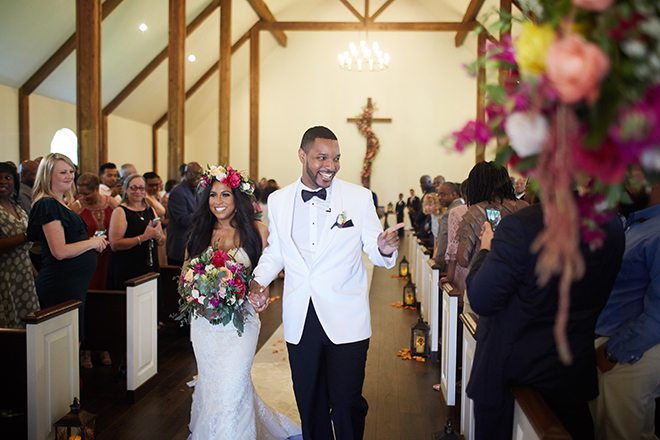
point(527, 163)
point(503, 155)
point(496, 93)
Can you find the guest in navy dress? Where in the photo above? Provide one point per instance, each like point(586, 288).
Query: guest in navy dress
point(67, 253)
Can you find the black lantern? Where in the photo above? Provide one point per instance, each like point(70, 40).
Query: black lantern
point(409, 295)
point(403, 268)
point(390, 208)
point(419, 341)
point(76, 425)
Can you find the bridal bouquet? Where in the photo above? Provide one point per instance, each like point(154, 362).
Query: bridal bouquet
point(580, 102)
point(214, 285)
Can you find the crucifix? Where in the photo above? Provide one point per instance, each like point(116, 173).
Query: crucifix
point(364, 122)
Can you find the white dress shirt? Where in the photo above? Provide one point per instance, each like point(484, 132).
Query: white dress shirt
point(309, 219)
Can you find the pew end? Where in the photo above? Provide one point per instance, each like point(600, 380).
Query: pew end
point(533, 419)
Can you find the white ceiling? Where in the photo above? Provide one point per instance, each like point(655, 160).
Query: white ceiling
point(32, 30)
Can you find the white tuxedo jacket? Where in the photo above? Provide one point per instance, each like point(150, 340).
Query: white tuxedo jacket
point(337, 280)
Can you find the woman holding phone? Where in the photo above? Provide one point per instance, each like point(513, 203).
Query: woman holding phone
point(134, 233)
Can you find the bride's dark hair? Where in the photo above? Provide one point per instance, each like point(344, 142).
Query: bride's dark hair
point(203, 222)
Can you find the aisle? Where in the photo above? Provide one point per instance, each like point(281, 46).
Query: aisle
point(402, 403)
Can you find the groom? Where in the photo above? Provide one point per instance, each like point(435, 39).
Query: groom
point(319, 227)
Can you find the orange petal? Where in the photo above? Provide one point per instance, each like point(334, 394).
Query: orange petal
point(275, 351)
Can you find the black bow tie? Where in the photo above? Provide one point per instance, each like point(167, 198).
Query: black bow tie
point(307, 195)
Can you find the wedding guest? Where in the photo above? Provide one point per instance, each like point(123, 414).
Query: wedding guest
point(133, 236)
point(456, 274)
point(413, 206)
point(27, 172)
point(628, 353)
point(449, 198)
point(400, 208)
point(180, 206)
point(521, 186)
point(515, 333)
point(96, 210)
point(18, 296)
point(431, 208)
point(109, 175)
point(488, 185)
point(67, 252)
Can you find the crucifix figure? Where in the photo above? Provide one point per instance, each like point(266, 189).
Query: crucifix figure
point(364, 122)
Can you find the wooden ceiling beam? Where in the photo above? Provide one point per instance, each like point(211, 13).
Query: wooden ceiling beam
point(470, 15)
point(370, 26)
point(264, 14)
point(353, 10)
point(381, 9)
point(61, 54)
point(209, 73)
point(162, 56)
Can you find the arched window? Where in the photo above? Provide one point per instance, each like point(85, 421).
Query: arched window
point(65, 142)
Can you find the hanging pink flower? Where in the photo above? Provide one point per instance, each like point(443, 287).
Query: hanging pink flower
point(604, 163)
point(593, 5)
point(576, 67)
point(474, 131)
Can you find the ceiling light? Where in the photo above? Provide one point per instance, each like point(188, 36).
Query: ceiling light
point(143, 27)
point(372, 60)
point(191, 58)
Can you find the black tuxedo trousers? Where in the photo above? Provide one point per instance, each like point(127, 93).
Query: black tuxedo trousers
point(327, 382)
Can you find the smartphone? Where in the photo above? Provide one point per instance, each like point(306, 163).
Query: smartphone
point(155, 222)
point(494, 216)
point(99, 232)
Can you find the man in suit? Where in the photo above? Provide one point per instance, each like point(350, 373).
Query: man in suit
point(400, 208)
point(180, 206)
point(515, 343)
point(413, 207)
point(318, 228)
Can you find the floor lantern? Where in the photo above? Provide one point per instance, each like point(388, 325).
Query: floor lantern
point(419, 341)
point(76, 425)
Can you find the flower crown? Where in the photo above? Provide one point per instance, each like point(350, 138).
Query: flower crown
point(228, 176)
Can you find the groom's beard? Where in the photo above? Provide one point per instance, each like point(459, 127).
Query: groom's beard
point(317, 178)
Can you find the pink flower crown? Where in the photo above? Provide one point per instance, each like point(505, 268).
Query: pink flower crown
point(228, 176)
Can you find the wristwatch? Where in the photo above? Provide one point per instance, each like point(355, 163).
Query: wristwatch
point(610, 357)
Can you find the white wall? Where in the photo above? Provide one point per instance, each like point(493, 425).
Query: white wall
point(9, 124)
point(426, 92)
point(128, 141)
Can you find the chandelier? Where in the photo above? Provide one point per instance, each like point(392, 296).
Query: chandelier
point(363, 58)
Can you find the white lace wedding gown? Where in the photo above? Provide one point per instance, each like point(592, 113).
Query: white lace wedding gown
point(225, 404)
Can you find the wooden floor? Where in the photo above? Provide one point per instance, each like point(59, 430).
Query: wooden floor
point(402, 403)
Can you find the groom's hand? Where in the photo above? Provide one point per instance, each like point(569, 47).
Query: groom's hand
point(259, 296)
point(388, 240)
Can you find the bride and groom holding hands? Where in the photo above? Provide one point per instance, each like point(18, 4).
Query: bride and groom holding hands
point(318, 228)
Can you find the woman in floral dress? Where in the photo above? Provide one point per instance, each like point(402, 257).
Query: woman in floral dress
point(18, 296)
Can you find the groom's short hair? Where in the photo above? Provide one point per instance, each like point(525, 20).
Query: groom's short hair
point(318, 132)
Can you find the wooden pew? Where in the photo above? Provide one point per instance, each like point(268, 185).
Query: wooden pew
point(533, 419)
point(469, 344)
point(422, 281)
point(127, 321)
point(39, 371)
point(450, 322)
point(13, 383)
point(435, 315)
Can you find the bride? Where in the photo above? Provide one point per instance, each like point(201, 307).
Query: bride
point(225, 404)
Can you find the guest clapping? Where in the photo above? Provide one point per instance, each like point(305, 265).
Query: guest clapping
point(134, 235)
point(18, 296)
point(66, 250)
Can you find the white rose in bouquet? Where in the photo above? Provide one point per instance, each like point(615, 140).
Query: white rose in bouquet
point(527, 133)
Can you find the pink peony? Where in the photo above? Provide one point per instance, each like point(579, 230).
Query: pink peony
point(604, 163)
point(593, 5)
point(232, 180)
point(219, 258)
point(576, 67)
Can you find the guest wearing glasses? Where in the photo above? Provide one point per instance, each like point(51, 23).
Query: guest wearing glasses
point(134, 235)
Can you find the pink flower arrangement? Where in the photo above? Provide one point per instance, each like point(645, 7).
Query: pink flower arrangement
point(213, 286)
point(576, 68)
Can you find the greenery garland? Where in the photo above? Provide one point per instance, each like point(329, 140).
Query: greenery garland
point(363, 121)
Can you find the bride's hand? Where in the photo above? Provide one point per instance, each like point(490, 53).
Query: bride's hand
point(259, 296)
